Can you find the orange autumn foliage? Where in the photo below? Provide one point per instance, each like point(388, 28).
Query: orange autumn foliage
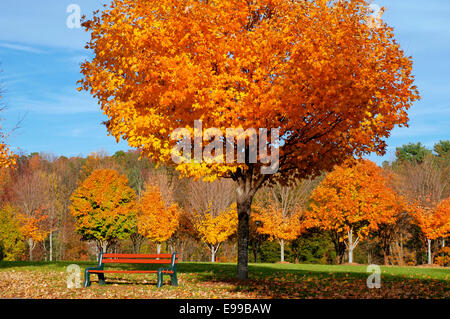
point(7, 158)
point(354, 198)
point(443, 257)
point(334, 84)
point(156, 220)
point(32, 227)
point(434, 223)
point(442, 214)
point(276, 225)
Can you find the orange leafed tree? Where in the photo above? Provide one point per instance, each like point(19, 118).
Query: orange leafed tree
point(33, 229)
point(333, 84)
point(351, 202)
point(104, 208)
point(214, 230)
point(442, 214)
point(277, 225)
point(434, 223)
point(156, 220)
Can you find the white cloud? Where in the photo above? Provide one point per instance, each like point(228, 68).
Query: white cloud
point(56, 103)
point(20, 47)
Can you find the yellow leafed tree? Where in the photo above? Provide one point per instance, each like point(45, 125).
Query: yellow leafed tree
point(214, 230)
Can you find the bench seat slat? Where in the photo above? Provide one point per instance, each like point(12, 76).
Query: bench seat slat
point(138, 256)
point(130, 271)
point(136, 261)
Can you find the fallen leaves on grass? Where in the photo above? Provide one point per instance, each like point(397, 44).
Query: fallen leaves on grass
point(52, 284)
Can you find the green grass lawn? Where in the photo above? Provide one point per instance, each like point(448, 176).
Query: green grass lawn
point(217, 280)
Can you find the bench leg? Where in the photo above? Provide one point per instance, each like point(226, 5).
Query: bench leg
point(87, 279)
point(174, 279)
point(159, 283)
point(101, 279)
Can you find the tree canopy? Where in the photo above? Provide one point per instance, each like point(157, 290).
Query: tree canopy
point(332, 82)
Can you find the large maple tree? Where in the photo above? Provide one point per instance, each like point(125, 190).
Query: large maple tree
point(332, 83)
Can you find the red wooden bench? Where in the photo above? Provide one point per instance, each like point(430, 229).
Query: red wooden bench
point(170, 260)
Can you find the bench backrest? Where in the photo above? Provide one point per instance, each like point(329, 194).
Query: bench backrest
point(171, 259)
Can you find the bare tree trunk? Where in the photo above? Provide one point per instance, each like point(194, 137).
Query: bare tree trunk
point(51, 246)
point(137, 240)
point(102, 246)
point(31, 245)
point(429, 251)
point(282, 250)
point(351, 245)
point(213, 253)
point(402, 261)
point(45, 249)
point(214, 249)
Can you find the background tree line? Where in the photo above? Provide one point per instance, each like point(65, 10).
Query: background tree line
point(58, 208)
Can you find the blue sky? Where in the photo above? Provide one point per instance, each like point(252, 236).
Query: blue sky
point(40, 59)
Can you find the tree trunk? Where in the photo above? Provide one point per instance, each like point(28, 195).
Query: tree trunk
point(213, 255)
point(31, 246)
point(402, 262)
point(255, 252)
point(282, 250)
point(243, 208)
point(385, 257)
point(350, 255)
point(339, 247)
point(429, 251)
point(247, 186)
point(51, 246)
point(102, 246)
point(351, 245)
point(137, 240)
